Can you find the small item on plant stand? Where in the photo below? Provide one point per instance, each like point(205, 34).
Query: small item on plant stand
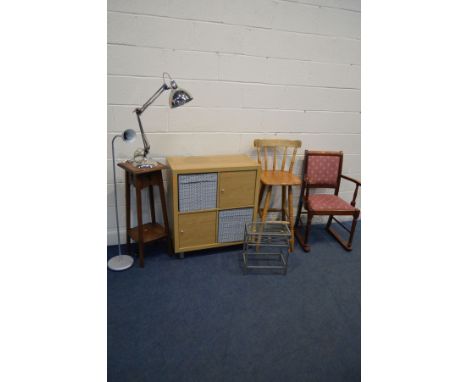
point(120, 262)
point(177, 97)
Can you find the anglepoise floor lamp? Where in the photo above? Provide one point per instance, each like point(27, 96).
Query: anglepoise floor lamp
point(177, 97)
point(120, 262)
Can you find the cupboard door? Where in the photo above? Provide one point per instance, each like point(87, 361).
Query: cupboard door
point(197, 229)
point(237, 189)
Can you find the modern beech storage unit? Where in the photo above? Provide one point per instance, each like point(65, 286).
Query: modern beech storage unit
point(211, 199)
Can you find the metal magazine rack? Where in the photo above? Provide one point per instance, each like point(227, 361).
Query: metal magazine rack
point(266, 246)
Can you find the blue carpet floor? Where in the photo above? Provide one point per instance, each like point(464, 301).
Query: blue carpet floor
point(201, 319)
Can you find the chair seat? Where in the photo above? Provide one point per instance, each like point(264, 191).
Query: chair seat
point(279, 178)
point(326, 202)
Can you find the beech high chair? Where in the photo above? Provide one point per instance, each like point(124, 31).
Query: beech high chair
point(278, 176)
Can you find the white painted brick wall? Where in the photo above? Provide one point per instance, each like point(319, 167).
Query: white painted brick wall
point(256, 68)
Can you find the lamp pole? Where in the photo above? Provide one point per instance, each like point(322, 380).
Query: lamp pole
point(120, 262)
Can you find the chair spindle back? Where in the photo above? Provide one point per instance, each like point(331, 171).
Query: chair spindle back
point(274, 145)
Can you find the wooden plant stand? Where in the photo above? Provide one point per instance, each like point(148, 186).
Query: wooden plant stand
point(144, 233)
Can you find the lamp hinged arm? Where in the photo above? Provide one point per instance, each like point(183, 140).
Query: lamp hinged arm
point(146, 145)
point(140, 110)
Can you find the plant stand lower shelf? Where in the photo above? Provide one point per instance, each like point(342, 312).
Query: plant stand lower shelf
point(151, 231)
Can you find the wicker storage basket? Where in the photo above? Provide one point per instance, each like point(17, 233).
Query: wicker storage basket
point(197, 192)
point(231, 224)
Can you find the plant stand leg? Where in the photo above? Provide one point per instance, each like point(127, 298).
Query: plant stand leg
point(140, 228)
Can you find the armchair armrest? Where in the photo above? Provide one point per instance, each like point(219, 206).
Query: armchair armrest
point(358, 184)
point(351, 179)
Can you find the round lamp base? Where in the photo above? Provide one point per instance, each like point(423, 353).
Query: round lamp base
point(120, 262)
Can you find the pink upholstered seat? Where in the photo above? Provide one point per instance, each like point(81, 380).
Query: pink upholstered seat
point(325, 202)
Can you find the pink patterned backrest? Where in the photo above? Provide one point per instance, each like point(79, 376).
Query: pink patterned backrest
point(323, 170)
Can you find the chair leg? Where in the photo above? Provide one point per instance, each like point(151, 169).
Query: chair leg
point(264, 213)
point(304, 240)
point(283, 203)
point(291, 216)
point(260, 196)
point(267, 203)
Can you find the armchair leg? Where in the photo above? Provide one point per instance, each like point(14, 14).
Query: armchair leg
point(345, 245)
point(299, 211)
point(330, 218)
point(338, 239)
point(303, 240)
point(353, 227)
point(291, 217)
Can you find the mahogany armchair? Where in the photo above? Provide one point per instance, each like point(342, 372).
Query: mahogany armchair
point(322, 170)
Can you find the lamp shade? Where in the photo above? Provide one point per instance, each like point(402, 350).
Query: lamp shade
point(179, 97)
point(128, 135)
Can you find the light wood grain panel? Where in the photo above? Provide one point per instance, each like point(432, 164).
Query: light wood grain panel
point(279, 178)
point(236, 175)
point(237, 189)
point(211, 163)
point(197, 229)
